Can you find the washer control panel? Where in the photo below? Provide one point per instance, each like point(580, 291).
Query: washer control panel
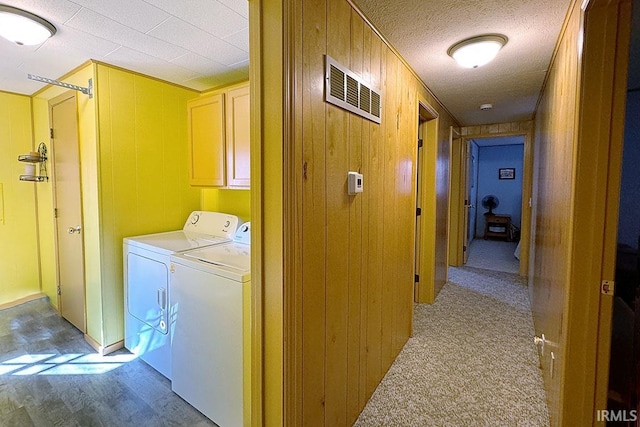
point(212, 223)
point(243, 235)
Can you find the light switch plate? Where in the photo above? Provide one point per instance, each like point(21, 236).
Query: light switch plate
point(354, 183)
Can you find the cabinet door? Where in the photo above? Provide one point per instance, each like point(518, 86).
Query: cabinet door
point(206, 141)
point(238, 137)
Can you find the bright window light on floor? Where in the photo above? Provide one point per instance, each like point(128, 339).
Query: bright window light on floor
point(63, 364)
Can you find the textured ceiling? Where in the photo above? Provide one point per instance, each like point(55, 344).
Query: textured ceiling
point(204, 43)
point(196, 43)
point(422, 32)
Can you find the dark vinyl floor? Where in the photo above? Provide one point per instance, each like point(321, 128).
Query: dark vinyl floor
point(49, 376)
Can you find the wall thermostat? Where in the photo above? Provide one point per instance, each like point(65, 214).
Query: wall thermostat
point(354, 183)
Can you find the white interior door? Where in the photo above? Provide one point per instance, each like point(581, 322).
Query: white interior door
point(68, 209)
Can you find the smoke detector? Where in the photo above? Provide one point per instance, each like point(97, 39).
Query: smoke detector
point(485, 107)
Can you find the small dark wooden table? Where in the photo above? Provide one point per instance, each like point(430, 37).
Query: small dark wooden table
point(495, 221)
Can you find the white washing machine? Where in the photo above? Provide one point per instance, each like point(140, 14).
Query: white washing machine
point(207, 288)
point(147, 293)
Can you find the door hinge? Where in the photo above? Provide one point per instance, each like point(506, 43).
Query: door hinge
point(59, 290)
point(418, 211)
point(417, 278)
point(55, 212)
point(464, 248)
point(420, 143)
point(51, 133)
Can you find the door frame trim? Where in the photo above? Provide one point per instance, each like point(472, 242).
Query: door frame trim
point(525, 129)
point(71, 94)
point(428, 120)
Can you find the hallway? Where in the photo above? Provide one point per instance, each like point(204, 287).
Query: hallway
point(471, 360)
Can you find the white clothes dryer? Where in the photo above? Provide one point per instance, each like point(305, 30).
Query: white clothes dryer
point(147, 292)
point(208, 288)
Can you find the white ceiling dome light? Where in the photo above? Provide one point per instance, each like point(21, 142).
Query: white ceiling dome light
point(24, 28)
point(477, 51)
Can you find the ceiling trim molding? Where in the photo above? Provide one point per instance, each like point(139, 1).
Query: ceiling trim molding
point(13, 93)
point(137, 73)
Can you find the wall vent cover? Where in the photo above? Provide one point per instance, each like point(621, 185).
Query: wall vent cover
point(347, 90)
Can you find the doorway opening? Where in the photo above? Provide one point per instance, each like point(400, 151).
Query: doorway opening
point(493, 202)
point(624, 364)
point(425, 249)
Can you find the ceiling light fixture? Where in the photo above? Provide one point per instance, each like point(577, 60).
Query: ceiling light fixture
point(22, 27)
point(477, 51)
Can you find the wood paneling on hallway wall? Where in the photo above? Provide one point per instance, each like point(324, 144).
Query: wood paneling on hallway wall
point(579, 133)
point(354, 294)
point(555, 140)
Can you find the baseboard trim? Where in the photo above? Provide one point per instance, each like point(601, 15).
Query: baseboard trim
point(22, 300)
point(103, 350)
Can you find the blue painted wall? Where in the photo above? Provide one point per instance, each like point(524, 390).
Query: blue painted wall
point(509, 191)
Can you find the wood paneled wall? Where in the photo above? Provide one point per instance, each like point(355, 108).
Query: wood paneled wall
point(355, 254)
point(579, 128)
point(556, 120)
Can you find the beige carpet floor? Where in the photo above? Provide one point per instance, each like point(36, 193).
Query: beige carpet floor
point(471, 361)
point(493, 255)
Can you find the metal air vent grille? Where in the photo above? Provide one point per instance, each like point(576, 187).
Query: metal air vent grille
point(346, 89)
point(337, 83)
point(365, 99)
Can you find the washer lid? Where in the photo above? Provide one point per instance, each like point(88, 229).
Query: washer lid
point(174, 241)
point(234, 255)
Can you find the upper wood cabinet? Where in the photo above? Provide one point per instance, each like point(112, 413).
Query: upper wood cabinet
point(206, 141)
point(238, 138)
point(219, 141)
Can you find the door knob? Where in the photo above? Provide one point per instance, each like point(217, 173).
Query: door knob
point(74, 230)
point(540, 342)
point(469, 206)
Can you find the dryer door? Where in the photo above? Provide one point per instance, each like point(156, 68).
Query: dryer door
point(148, 291)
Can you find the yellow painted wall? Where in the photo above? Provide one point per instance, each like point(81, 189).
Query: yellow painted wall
point(134, 180)
point(143, 178)
point(234, 202)
point(87, 138)
point(19, 269)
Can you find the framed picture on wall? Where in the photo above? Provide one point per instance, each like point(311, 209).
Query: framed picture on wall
point(506, 173)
